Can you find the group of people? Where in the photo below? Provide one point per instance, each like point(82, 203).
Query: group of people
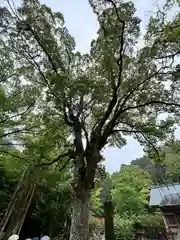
point(16, 237)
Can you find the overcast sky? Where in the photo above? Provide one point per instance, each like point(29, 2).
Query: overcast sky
point(83, 25)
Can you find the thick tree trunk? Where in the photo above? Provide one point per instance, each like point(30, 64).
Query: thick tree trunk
point(80, 217)
point(84, 173)
point(83, 184)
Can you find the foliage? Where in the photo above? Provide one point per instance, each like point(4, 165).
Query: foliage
point(131, 183)
point(96, 203)
point(53, 196)
point(168, 170)
point(16, 100)
point(151, 220)
point(130, 200)
point(156, 170)
point(130, 196)
point(52, 202)
point(124, 228)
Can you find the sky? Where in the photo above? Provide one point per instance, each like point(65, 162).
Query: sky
point(82, 25)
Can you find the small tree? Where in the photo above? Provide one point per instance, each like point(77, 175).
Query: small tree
point(99, 97)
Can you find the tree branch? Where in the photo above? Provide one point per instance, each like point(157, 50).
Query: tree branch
point(11, 144)
point(85, 132)
point(119, 108)
point(169, 55)
point(126, 131)
point(13, 155)
point(109, 128)
point(69, 154)
point(136, 132)
point(150, 103)
point(151, 144)
point(4, 78)
point(129, 94)
point(16, 131)
point(14, 95)
point(115, 86)
point(17, 115)
point(38, 68)
point(66, 119)
point(36, 37)
point(42, 46)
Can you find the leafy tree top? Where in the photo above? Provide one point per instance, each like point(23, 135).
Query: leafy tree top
point(115, 90)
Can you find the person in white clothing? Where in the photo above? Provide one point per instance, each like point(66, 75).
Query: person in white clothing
point(45, 238)
point(13, 237)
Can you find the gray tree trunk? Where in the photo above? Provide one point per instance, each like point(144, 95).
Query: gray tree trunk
point(80, 217)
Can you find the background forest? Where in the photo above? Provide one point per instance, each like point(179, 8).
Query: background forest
point(50, 209)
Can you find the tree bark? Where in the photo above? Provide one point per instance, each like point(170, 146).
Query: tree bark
point(83, 184)
point(80, 217)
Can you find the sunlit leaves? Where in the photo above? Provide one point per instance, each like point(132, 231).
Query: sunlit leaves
point(131, 183)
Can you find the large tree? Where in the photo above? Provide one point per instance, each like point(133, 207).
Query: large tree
point(100, 97)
